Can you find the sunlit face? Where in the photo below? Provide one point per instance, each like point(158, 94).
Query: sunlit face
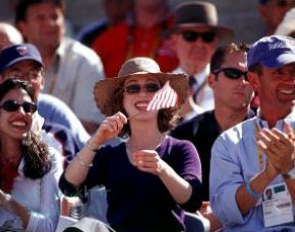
point(196, 55)
point(136, 102)
point(15, 124)
point(44, 25)
point(26, 70)
point(235, 94)
point(276, 87)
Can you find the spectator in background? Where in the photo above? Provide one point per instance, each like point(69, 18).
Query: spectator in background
point(259, 153)
point(50, 108)
point(29, 194)
point(115, 11)
point(9, 35)
point(143, 34)
point(272, 13)
point(232, 97)
point(194, 38)
point(150, 181)
point(71, 68)
point(287, 26)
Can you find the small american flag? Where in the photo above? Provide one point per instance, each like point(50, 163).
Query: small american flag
point(165, 98)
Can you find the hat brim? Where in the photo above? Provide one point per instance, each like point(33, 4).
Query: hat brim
point(104, 90)
point(222, 32)
point(21, 59)
point(279, 61)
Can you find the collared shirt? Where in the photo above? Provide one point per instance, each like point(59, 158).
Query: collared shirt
point(234, 160)
point(205, 97)
point(72, 76)
point(40, 196)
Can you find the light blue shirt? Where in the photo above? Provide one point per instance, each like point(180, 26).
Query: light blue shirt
point(234, 161)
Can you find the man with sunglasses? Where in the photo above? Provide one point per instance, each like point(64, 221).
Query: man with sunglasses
point(232, 96)
point(194, 38)
point(259, 154)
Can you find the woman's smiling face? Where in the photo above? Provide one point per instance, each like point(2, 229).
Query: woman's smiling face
point(16, 123)
point(138, 92)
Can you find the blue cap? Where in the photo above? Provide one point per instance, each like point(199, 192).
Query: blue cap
point(15, 53)
point(272, 51)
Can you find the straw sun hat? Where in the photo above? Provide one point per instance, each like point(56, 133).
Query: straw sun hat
point(104, 90)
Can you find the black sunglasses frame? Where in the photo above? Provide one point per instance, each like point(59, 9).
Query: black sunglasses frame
point(136, 88)
point(232, 73)
point(12, 106)
point(192, 36)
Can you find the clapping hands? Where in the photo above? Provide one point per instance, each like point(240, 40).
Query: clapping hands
point(279, 147)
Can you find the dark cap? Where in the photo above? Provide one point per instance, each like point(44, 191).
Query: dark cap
point(15, 53)
point(194, 14)
point(272, 51)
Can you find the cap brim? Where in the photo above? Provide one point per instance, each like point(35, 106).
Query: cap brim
point(21, 59)
point(277, 62)
point(104, 90)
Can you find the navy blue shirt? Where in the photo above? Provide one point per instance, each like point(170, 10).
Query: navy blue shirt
point(139, 201)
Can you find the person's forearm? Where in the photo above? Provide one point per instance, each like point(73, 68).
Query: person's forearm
point(77, 170)
point(179, 188)
point(257, 184)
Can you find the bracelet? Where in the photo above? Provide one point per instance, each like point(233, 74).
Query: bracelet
point(81, 162)
point(90, 147)
point(251, 192)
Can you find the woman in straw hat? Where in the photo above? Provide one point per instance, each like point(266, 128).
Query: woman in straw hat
point(151, 177)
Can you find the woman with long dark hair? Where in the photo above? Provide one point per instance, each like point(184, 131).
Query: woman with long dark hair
point(29, 170)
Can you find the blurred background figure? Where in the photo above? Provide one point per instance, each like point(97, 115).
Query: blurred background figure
point(52, 109)
point(142, 34)
point(115, 11)
point(9, 35)
point(272, 13)
point(71, 68)
point(287, 26)
point(194, 38)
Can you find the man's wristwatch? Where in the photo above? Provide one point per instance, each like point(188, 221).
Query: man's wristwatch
point(290, 175)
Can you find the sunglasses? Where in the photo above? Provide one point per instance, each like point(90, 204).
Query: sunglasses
point(11, 106)
point(192, 36)
point(148, 88)
point(232, 73)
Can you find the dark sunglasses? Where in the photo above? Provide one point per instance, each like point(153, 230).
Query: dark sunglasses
point(11, 106)
point(232, 73)
point(148, 88)
point(192, 36)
